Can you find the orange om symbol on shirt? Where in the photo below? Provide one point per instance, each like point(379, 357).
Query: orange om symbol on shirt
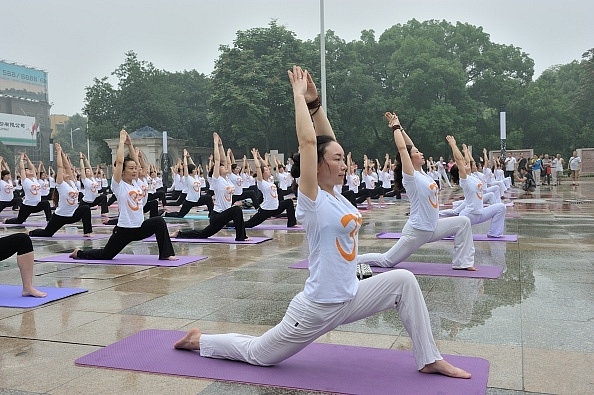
point(35, 189)
point(134, 197)
point(273, 191)
point(434, 199)
point(196, 186)
point(479, 191)
point(345, 220)
point(72, 198)
point(229, 191)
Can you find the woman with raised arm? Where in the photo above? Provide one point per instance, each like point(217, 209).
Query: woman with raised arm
point(223, 211)
point(194, 184)
point(68, 210)
point(472, 206)
point(7, 195)
point(44, 182)
point(423, 225)
point(332, 295)
point(131, 223)
point(91, 187)
point(32, 202)
point(271, 206)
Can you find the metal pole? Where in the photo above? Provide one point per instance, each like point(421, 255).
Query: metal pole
point(323, 57)
point(502, 130)
point(71, 143)
point(51, 152)
point(88, 150)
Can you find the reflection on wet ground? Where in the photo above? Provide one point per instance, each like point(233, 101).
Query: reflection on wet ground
point(535, 324)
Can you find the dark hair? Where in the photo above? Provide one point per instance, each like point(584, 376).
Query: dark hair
point(191, 168)
point(4, 173)
point(455, 173)
point(398, 168)
point(233, 166)
point(322, 143)
point(55, 197)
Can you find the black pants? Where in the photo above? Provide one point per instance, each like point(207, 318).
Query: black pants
point(393, 192)
point(18, 243)
point(100, 200)
point(121, 237)
point(262, 215)
point(247, 194)
point(151, 207)
point(26, 210)
point(217, 222)
point(369, 193)
point(112, 200)
point(181, 198)
point(175, 194)
point(350, 196)
point(82, 213)
point(15, 203)
point(205, 200)
point(160, 195)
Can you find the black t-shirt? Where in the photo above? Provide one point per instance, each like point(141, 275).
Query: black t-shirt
point(522, 164)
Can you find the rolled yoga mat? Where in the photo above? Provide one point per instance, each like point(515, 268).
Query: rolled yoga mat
point(430, 269)
point(10, 296)
point(318, 367)
point(125, 259)
point(475, 237)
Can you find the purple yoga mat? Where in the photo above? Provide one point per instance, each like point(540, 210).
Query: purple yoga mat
point(126, 259)
point(31, 224)
point(318, 367)
point(276, 227)
point(475, 237)
point(430, 269)
point(10, 296)
point(73, 236)
point(217, 239)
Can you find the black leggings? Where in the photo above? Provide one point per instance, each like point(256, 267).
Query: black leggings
point(247, 194)
point(180, 199)
point(17, 242)
point(217, 222)
point(263, 215)
point(100, 200)
point(121, 237)
point(160, 195)
point(26, 210)
point(205, 200)
point(350, 196)
point(14, 203)
point(151, 207)
point(82, 213)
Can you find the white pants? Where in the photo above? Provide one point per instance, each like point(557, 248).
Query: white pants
point(443, 174)
point(490, 198)
point(412, 239)
point(501, 185)
point(495, 213)
point(305, 321)
point(507, 183)
point(536, 175)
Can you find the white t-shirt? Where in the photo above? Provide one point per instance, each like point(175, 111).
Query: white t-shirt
point(91, 189)
point(353, 182)
point(130, 203)
point(574, 163)
point(104, 183)
point(193, 186)
point(178, 183)
point(369, 181)
point(332, 228)
point(45, 186)
point(237, 182)
point(473, 195)
point(499, 175)
point(144, 186)
point(510, 163)
point(223, 193)
point(6, 194)
point(423, 194)
point(158, 182)
point(481, 177)
point(384, 177)
point(270, 195)
point(488, 175)
point(68, 201)
point(558, 164)
point(283, 180)
point(32, 191)
point(52, 181)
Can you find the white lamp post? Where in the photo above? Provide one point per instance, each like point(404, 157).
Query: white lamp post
point(75, 130)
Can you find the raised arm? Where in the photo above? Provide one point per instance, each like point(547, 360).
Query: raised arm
point(256, 156)
point(119, 162)
point(386, 163)
point(349, 164)
point(485, 158)
point(186, 156)
point(217, 152)
point(315, 109)
point(59, 163)
point(402, 140)
point(83, 168)
point(460, 162)
point(302, 83)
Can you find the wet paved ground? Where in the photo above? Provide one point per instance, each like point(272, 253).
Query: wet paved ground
point(535, 324)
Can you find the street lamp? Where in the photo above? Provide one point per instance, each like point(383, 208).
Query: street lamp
point(75, 130)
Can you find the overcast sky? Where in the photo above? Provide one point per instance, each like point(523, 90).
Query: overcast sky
point(77, 40)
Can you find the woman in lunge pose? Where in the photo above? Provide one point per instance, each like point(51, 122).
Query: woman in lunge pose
point(223, 210)
point(423, 225)
point(271, 206)
point(332, 294)
point(32, 202)
point(65, 197)
point(91, 186)
point(131, 223)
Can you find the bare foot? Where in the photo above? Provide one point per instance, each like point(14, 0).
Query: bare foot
point(88, 235)
point(174, 234)
point(172, 258)
point(191, 341)
point(74, 254)
point(445, 368)
point(34, 292)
